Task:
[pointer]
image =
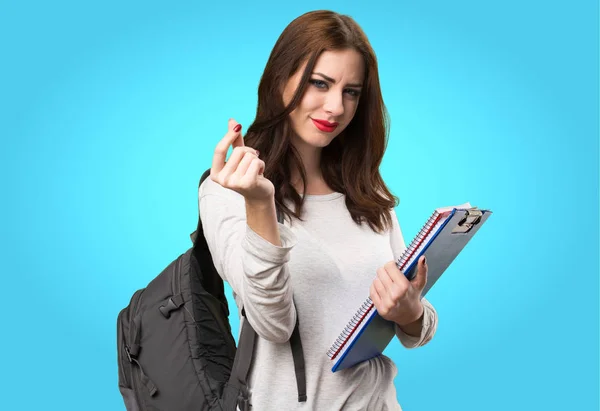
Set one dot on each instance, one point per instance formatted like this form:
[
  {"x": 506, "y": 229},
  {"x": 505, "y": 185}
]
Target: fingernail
[
  {"x": 237, "y": 128},
  {"x": 257, "y": 153}
]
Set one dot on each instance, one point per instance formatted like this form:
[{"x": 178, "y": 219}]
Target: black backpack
[{"x": 175, "y": 348}]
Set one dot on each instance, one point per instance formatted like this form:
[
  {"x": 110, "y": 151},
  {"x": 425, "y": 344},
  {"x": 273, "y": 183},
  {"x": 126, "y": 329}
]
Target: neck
[{"x": 311, "y": 159}]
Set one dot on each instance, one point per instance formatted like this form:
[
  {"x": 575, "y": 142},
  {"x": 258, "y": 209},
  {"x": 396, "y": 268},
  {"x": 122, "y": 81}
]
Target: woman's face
[{"x": 331, "y": 97}]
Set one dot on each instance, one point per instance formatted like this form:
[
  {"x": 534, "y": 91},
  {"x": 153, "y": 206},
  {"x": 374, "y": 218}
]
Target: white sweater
[{"x": 326, "y": 264}]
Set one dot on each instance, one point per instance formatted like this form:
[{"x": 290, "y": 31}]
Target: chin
[
  {"x": 312, "y": 137},
  {"x": 321, "y": 141}
]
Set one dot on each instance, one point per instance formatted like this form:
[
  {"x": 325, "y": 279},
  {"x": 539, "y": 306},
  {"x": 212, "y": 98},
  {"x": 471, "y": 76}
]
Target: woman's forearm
[{"x": 261, "y": 217}]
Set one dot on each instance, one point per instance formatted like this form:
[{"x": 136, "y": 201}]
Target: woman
[{"x": 313, "y": 152}]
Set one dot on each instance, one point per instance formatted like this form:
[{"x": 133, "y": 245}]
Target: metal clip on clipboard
[{"x": 472, "y": 218}]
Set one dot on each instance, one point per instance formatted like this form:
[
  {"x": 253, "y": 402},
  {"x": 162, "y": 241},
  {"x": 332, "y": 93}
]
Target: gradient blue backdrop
[{"x": 110, "y": 111}]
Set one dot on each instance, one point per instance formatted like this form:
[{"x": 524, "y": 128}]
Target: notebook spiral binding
[
  {"x": 366, "y": 307},
  {"x": 418, "y": 241},
  {"x": 350, "y": 327}
]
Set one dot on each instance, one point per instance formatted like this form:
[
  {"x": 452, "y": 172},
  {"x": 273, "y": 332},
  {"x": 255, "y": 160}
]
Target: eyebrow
[{"x": 333, "y": 81}]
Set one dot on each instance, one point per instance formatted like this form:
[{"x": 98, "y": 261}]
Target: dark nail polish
[{"x": 237, "y": 128}]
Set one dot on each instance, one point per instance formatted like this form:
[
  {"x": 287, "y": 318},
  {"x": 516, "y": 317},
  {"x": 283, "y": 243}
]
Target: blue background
[{"x": 109, "y": 114}]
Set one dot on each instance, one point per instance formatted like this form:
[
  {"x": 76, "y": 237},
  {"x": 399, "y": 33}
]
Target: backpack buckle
[
  {"x": 129, "y": 358},
  {"x": 173, "y": 304},
  {"x": 243, "y": 404},
  {"x": 132, "y": 352}
]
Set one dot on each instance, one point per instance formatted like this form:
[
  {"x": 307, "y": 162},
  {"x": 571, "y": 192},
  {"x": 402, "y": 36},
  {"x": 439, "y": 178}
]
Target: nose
[{"x": 334, "y": 104}]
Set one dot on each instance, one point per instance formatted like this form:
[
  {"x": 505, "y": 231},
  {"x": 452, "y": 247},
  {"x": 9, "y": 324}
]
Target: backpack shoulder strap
[
  {"x": 299, "y": 368},
  {"x": 195, "y": 233},
  {"x": 296, "y": 346}
]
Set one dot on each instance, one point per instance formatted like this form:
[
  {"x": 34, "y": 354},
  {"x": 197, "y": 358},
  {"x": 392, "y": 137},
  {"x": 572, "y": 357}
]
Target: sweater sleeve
[
  {"x": 430, "y": 317},
  {"x": 255, "y": 269}
]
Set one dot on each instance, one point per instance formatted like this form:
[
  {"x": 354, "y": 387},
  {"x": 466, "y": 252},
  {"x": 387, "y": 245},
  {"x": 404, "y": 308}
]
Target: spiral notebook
[{"x": 441, "y": 239}]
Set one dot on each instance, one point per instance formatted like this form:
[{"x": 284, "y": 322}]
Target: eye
[
  {"x": 353, "y": 92},
  {"x": 318, "y": 83}
]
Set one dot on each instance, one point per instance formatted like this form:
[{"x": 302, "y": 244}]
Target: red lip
[{"x": 324, "y": 125}]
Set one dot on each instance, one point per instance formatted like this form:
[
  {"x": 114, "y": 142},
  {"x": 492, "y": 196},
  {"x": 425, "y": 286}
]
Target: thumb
[{"x": 421, "y": 278}]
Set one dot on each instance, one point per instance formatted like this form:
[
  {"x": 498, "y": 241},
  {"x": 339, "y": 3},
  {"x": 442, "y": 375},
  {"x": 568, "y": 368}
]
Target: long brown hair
[{"x": 350, "y": 163}]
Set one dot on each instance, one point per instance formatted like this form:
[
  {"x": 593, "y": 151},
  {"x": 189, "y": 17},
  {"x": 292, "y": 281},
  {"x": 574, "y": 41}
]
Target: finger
[
  {"x": 242, "y": 168},
  {"x": 375, "y": 297},
  {"x": 256, "y": 169},
  {"x": 421, "y": 278},
  {"x": 234, "y": 160},
  {"x": 220, "y": 153},
  {"x": 253, "y": 173},
  {"x": 383, "y": 292},
  {"x": 385, "y": 278},
  {"x": 395, "y": 274}
]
